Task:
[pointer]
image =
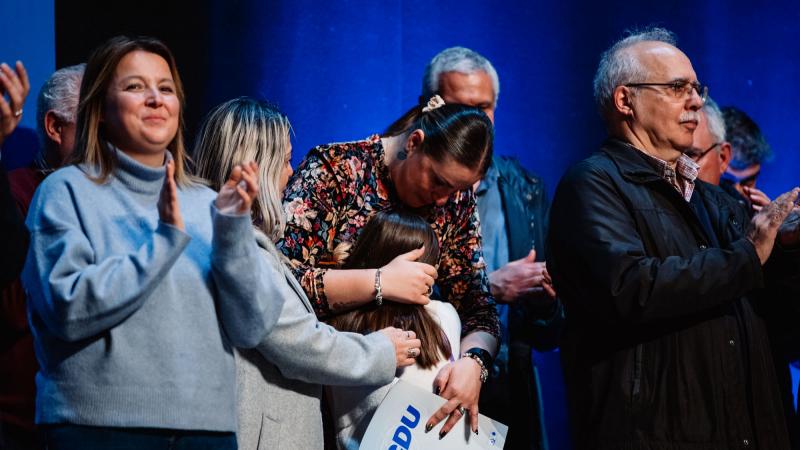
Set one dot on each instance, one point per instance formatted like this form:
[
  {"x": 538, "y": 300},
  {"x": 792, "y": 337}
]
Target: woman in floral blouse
[{"x": 427, "y": 160}]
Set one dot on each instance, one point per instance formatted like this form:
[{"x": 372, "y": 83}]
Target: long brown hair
[
  {"x": 463, "y": 133},
  {"x": 387, "y": 235},
  {"x": 90, "y": 139}
]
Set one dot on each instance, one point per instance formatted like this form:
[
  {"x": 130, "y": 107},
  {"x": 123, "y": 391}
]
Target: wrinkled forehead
[{"x": 663, "y": 62}]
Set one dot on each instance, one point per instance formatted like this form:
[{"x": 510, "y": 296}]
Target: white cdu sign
[{"x": 399, "y": 424}]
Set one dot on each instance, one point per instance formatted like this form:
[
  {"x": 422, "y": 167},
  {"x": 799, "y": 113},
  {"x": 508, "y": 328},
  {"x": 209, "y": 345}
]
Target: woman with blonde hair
[
  {"x": 280, "y": 380},
  {"x": 141, "y": 280}
]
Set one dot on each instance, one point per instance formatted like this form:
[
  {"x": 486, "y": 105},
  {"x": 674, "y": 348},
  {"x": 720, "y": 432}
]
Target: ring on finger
[
  {"x": 412, "y": 353},
  {"x": 18, "y": 112},
  {"x": 430, "y": 291},
  {"x": 462, "y": 410}
]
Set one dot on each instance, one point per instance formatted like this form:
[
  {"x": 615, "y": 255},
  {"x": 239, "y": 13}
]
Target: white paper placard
[{"x": 399, "y": 424}]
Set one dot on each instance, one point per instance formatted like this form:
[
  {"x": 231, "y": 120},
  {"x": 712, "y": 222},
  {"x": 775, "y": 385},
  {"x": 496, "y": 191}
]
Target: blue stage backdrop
[
  {"x": 27, "y": 30},
  {"x": 342, "y": 70}
]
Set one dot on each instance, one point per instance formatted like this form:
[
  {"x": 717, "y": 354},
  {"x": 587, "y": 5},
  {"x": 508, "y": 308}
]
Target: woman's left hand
[
  {"x": 15, "y": 84},
  {"x": 460, "y": 383},
  {"x": 238, "y": 193}
]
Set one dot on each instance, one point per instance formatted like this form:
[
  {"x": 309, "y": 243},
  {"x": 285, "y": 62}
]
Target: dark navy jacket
[{"x": 663, "y": 347}]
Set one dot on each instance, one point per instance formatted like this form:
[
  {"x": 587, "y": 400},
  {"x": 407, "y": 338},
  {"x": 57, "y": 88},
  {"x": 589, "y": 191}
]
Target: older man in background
[
  {"x": 662, "y": 347},
  {"x": 513, "y": 210},
  {"x": 712, "y": 152},
  {"x": 56, "y": 107},
  {"x": 709, "y": 149},
  {"x": 749, "y": 150}
]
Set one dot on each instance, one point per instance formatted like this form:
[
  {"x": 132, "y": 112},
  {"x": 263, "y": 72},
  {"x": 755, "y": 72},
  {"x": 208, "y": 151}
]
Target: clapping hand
[
  {"x": 238, "y": 193},
  {"x": 16, "y": 86},
  {"x": 169, "y": 210},
  {"x": 766, "y": 223},
  {"x": 758, "y": 199}
]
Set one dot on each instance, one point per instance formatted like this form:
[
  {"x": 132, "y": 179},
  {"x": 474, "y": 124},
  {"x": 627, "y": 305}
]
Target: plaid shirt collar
[{"x": 681, "y": 178}]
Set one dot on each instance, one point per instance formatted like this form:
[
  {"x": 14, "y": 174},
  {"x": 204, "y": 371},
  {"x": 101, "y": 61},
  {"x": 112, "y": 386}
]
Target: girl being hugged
[
  {"x": 387, "y": 235},
  {"x": 141, "y": 280},
  {"x": 428, "y": 161}
]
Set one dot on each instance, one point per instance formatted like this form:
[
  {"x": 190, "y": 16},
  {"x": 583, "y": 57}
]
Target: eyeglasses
[
  {"x": 748, "y": 181},
  {"x": 696, "y": 154},
  {"x": 680, "y": 90}
]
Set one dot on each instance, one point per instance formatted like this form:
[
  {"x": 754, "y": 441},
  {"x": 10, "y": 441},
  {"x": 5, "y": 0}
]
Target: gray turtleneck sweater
[{"x": 133, "y": 319}]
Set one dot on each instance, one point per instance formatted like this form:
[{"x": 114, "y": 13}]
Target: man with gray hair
[
  {"x": 513, "y": 209},
  {"x": 662, "y": 347},
  {"x": 712, "y": 152},
  {"x": 56, "y": 109},
  {"x": 709, "y": 149}
]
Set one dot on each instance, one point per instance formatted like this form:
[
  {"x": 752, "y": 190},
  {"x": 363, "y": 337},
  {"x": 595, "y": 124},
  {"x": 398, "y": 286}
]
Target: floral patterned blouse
[{"x": 332, "y": 195}]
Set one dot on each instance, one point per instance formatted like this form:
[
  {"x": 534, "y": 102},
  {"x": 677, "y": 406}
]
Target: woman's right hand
[
  {"x": 405, "y": 280},
  {"x": 169, "y": 210},
  {"x": 406, "y": 345}
]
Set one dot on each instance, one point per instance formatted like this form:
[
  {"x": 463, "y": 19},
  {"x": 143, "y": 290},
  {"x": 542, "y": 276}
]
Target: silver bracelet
[
  {"x": 484, "y": 371},
  {"x": 378, "y": 292}
]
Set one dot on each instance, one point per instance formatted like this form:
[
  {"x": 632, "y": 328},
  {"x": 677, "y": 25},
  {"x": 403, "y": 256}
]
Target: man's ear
[
  {"x": 414, "y": 141},
  {"x": 623, "y": 101},
  {"x": 724, "y": 156},
  {"x": 53, "y": 126}
]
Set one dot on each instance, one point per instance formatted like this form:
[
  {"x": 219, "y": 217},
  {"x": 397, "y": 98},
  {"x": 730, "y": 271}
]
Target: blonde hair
[
  {"x": 90, "y": 143},
  {"x": 241, "y": 130}
]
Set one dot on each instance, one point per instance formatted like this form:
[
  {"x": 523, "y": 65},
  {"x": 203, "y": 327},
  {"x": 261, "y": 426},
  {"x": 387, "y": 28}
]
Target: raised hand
[
  {"x": 765, "y": 224},
  {"x": 406, "y": 345},
  {"x": 169, "y": 210},
  {"x": 240, "y": 191},
  {"x": 758, "y": 199},
  {"x": 522, "y": 279},
  {"x": 405, "y": 280},
  {"x": 16, "y": 86}
]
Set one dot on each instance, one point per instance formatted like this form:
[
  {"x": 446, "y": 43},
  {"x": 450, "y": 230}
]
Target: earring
[{"x": 402, "y": 155}]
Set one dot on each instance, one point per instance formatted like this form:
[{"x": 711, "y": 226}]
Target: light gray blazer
[{"x": 280, "y": 381}]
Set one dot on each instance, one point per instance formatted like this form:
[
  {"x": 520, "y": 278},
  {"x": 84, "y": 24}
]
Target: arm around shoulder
[{"x": 305, "y": 349}]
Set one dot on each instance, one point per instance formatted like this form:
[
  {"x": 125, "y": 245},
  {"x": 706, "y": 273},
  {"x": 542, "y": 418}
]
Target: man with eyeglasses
[
  {"x": 749, "y": 150},
  {"x": 715, "y": 154},
  {"x": 712, "y": 152},
  {"x": 661, "y": 346},
  {"x": 709, "y": 149}
]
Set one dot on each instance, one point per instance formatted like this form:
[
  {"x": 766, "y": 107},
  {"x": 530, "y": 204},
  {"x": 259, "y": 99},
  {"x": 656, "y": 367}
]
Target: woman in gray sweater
[
  {"x": 280, "y": 380},
  {"x": 140, "y": 280}
]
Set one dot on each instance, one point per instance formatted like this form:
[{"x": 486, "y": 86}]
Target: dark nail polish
[
  {"x": 436, "y": 390},
  {"x": 441, "y": 434},
  {"x": 428, "y": 427},
  {"x": 476, "y": 431}
]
